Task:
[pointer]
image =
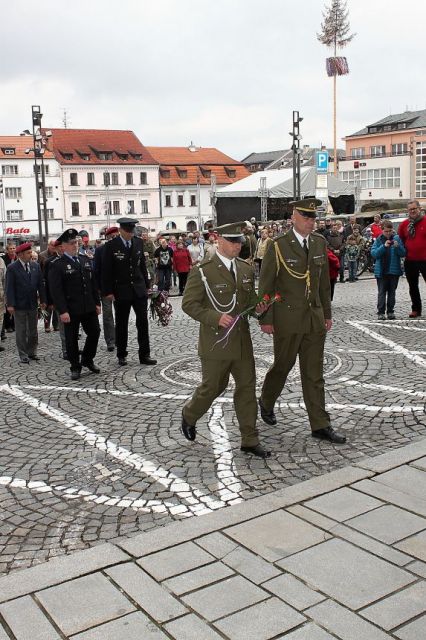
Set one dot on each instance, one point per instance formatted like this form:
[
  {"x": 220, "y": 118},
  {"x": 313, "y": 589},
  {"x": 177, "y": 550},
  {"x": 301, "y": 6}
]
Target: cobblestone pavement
[{"x": 89, "y": 461}]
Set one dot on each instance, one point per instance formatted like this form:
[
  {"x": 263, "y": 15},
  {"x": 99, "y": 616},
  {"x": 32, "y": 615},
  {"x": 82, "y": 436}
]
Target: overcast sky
[{"x": 222, "y": 73}]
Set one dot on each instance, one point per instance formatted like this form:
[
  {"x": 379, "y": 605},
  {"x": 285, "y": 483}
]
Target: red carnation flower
[{"x": 266, "y": 298}]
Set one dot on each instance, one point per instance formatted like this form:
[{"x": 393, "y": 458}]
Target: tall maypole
[{"x": 335, "y": 34}]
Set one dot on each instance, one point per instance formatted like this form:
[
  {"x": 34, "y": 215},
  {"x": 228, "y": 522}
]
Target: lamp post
[
  {"x": 39, "y": 147},
  {"x": 296, "y": 154}
]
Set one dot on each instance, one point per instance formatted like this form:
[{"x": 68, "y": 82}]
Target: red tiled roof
[
  {"x": 70, "y": 146},
  {"x": 19, "y": 143},
  {"x": 197, "y": 164}
]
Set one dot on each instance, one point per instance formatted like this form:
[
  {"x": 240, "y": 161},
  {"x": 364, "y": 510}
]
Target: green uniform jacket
[
  {"x": 297, "y": 313},
  {"x": 197, "y": 304}
]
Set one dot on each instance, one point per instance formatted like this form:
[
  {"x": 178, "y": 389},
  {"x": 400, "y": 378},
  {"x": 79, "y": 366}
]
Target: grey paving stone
[
  {"x": 350, "y": 575},
  {"x": 420, "y": 464},
  {"x": 276, "y": 535},
  {"x": 315, "y": 518},
  {"x": 60, "y": 569},
  {"x": 344, "y": 623},
  {"x": 394, "y": 458},
  {"x": 293, "y": 591},
  {"x": 191, "y": 627},
  {"x": 413, "y": 631},
  {"x": 406, "y": 479},
  {"x": 217, "y": 544},
  {"x": 309, "y": 631},
  {"x": 83, "y": 603},
  {"x": 343, "y": 504},
  {"x": 135, "y": 626},
  {"x": 27, "y": 621},
  {"x": 175, "y": 560},
  {"x": 3, "y": 634},
  {"x": 260, "y": 622},
  {"x": 250, "y": 566},
  {"x": 393, "y": 495},
  {"x": 224, "y": 598},
  {"x": 388, "y": 524},
  {"x": 149, "y": 595},
  {"x": 398, "y": 608},
  {"x": 198, "y": 578},
  {"x": 415, "y": 546},
  {"x": 417, "y": 567}
]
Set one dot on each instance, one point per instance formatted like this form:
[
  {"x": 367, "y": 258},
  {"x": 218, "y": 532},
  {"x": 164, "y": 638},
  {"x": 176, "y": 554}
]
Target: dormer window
[
  {"x": 9, "y": 151},
  {"x": 85, "y": 157},
  {"x": 231, "y": 173},
  {"x": 182, "y": 173},
  {"x": 165, "y": 173},
  {"x": 206, "y": 172},
  {"x": 67, "y": 156},
  {"x": 105, "y": 155}
]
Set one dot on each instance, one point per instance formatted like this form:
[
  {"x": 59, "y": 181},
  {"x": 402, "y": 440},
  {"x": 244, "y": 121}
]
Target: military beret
[
  {"x": 67, "y": 235},
  {"x": 307, "y": 207},
  {"x": 111, "y": 230},
  {"x": 23, "y": 247},
  {"x": 232, "y": 231}
]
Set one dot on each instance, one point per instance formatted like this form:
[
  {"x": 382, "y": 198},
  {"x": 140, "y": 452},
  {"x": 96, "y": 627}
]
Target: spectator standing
[
  {"x": 50, "y": 306},
  {"x": 261, "y": 247},
  {"x": 182, "y": 264},
  {"x": 196, "y": 251},
  {"x": 387, "y": 250},
  {"x": 108, "y": 323},
  {"x": 350, "y": 227},
  {"x": 2, "y": 293},
  {"x": 413, "y": 234},
  {"x": 333, "y": 268},
  {"x": 352, "y": 256},
  {"x": 50, "y": 316},
  {"x": 336, "y": 244},
  {"x": 164, "y": 261},
  {"x": 376, "y": 227},
  {"x": 24, "y": 290},
  {"x": 10, "y": 256},
  {"x": 210, "y": 246}
]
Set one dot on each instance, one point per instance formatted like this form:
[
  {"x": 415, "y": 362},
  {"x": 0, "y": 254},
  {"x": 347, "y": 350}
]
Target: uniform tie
[
  {"x": 305, "y": 246},
  {"x": 27, "y": 269},
  {"x": 128, "y": 244},
  {"x": 231, "y": 270}
]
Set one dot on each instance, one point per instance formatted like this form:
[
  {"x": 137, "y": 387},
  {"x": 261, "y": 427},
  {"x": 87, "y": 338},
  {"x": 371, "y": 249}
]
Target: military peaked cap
[{"x": 307, "y": 207}]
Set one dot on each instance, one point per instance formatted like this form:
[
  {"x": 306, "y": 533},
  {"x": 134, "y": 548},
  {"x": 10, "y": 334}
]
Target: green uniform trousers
[
  {"x": 310, "y": 348},
  {"x": 215, "y": 380}
]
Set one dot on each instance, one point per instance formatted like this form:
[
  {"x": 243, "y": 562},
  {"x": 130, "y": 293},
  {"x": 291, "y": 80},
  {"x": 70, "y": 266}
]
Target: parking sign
[{"x": 322, "y": 161}]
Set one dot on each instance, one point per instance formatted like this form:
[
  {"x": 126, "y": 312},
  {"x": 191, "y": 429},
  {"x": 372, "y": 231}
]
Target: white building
[
  {"x": 186, "y": 183},
  {"x": 106, "y": 174},
  {"x": 19, "y": 214}
]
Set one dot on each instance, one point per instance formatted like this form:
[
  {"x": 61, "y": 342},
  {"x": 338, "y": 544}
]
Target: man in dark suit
[
  {"x": 24, "y": 286},
  {"x": 125, "y": 280},
  {"x": 107, "y": 313},
  {"x": 75, "y": 296},
  {"x": 349, "y": 228}
]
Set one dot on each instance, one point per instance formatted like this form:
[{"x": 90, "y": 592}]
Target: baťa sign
[{"x": 10, "y": 231}]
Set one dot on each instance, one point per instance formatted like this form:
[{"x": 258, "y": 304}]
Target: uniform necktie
[
  {"x": 128, "y": 244},
  {"x": 27, "y": 269},
  {"x": 305, "y": 246},
  {"x": 231, "y": 270}
]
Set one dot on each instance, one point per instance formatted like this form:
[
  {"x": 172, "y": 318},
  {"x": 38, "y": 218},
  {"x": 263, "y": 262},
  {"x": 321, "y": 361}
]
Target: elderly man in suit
[
  {"x": 24, "y": 288},
  {"x": 296, "y": 267},
  {"x": 107, "y": 311}
]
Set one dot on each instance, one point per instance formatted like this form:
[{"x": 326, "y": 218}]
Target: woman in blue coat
[{"x": 387, "y": 251}]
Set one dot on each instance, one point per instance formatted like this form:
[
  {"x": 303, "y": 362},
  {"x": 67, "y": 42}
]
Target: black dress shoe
[
  {"x": 267, "y": 416},
  {"x": 257, "y": 450},
  {"x": 36, "y": 358},
  {"x": 24, "y": 360},
  {"x": 122, "y": 362},
  {"x": 65, "y": 356},
  {"x": 188, "y": 430},
  {"x": 2, "y": 349},
  {"x": 147, "y": 360},
  {"x": 75, "y": 374},
  {"x": 110, "y": 348},
  {"x": 91, "y": 366},
  {"x": 329, "y": 434}
]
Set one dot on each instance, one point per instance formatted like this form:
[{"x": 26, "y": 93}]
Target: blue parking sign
[{"x": 322, "y": 161}]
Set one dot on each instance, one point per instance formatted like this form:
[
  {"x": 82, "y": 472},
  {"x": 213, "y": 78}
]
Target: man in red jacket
[{"x": 413, "y": 234}]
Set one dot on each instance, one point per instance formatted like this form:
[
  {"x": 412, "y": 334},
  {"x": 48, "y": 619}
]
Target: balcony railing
[{"x": 375, "y": 156}]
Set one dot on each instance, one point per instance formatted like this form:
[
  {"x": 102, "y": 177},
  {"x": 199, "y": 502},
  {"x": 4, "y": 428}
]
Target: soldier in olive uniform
[
  {"x": 75, "y": 296},
  {"x": 296, "y": 267},
  {"x": 218, "y": 289}
]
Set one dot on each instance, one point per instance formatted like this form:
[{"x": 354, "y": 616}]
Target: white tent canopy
[{"x": 279, "y": 184}]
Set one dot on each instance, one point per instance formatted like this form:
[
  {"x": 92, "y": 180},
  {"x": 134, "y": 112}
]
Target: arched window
[
  {"x": 191, "y": 226},
  {"x": 171, "y": 225}
]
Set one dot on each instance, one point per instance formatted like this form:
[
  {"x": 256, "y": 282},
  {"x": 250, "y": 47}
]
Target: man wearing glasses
[{"x": 413, "y": 234}]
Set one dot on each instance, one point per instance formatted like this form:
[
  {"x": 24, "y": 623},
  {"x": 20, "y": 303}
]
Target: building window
[
  {"x": 73, "y": 179},
  {"x": 13, "y": 193},
  {"x": 231, "y": 173},
  {"x": 358, "y": 153},
  {"x": 168, "y": 201},
  {"x": 144, "y": 206},
  {"x": 9, "y": 151},
  {"x": 180, "y": 200},
  {"x": 206, "y": 172},
  {"x": 67, "y": 156},
  {"x": 193, "y": 201},
  {"x": 129, "y": 178},
  {"x": 90, "y": 179},
  {"x": 85, "y": 157},
  {"x": 114, "y": 178},
  {"x": 13, "y": 215},
  {"x": 399, "y": 149},
  {"x": 92, "y": 208},
  {"x": 50, "y": 214},
  {"x": 116, "y": 207},
  {"x": 49, "y": 192},
  {"x": 107, "y": 179},
  {"x": 377, "y": 150},
  {"x": 46, "y": 170},
  {"x": 170, "y": 226},
  {"x": 131, "y": 206},
  {"x": 373, "y": 178},
  {"x": 105, "y": 156},
  {"x": 182, "y": 173},
  {"x": 75, "y": 208},
  {"x": 143, "y": 177},
  {"x": 165, "y": 173},
  {"x": 9, "y": 169}
]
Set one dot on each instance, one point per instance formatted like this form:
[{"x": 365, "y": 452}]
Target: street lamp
[
  {"x": 40, "y": 139},
  {"x": 296, "y": 154}
]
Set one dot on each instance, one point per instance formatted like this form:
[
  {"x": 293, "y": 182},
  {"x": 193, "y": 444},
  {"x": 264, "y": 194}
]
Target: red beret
[
  {"x": 23, "y": 247},
  {"x": 111, "y": 230}
]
